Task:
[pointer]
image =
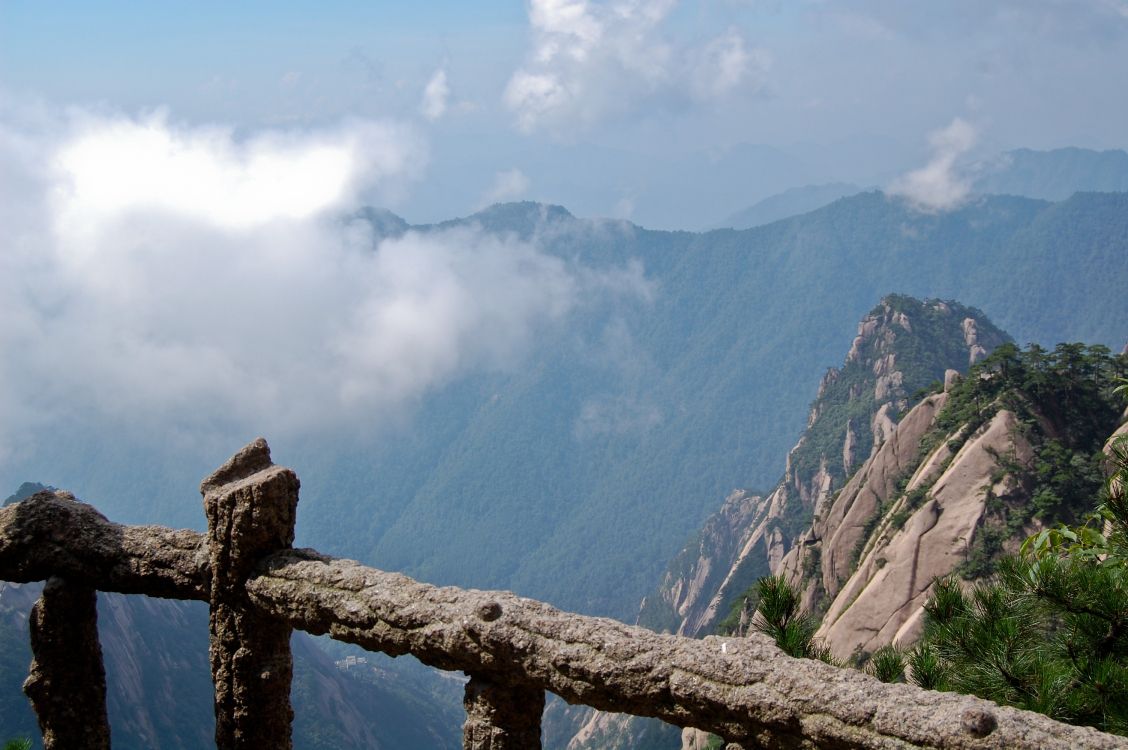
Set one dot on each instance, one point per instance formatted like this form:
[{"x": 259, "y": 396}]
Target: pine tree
[
  {"x": 1050, "y": 632},
  {"x": 779, "y": 616}
]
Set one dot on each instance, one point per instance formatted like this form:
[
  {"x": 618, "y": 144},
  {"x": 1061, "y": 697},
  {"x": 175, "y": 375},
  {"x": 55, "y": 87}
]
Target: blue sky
[{"x": 846, "y": 89}]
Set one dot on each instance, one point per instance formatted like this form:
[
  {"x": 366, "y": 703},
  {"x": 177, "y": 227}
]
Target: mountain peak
[
  {"x": 522, "y": 218},
  {"x": 902, "y": 346},
  {"x": 522, "y": 211}
]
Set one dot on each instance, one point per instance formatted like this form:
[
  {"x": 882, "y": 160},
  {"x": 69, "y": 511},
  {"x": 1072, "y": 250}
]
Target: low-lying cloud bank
[{"x": 188, "y": 276}]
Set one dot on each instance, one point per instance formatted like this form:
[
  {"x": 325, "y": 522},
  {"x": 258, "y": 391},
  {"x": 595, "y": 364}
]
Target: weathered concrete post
[
  {"x": 67, "y": 684},
  {"x": 251, "y": 506},
  {"x": 501, "y": 716}
]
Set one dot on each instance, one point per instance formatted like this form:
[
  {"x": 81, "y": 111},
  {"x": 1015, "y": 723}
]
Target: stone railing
[{"x": 513, "y": 649}]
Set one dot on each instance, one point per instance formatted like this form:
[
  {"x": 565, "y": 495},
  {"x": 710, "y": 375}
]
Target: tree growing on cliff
[
  {"x": 1050, "y": 632},
  {"x": 779, "y": 615}
]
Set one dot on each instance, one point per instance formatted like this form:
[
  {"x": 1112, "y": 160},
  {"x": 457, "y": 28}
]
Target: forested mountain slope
[
  {"x": 1055, "y": 174},
  {"x": 798, "y": 200},
  {"x": 592, "y": 464},
  {"x": 576, "y": 475}
]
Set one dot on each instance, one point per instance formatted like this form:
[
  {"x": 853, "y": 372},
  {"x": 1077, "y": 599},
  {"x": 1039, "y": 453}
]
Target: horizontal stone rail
[
  {"x": 513, "y": 649},
  {"x": 52, "y": 534}
]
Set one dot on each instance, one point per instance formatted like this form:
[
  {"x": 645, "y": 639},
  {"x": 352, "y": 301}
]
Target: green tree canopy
[{"x": 1050, "y": 632}]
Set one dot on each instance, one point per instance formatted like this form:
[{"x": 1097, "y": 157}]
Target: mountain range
[
  {"x": 603, "y": 452},
  {"x": 578, "y": 475},
  {"x": 610, "y": 444},
  {"x": 1050, "y": 175}
]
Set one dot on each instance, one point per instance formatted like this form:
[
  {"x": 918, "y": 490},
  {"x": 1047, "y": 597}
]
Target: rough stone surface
[
  {"x": 67, "y": 684},
  {"x": 894, "y": 576},
  {"x": 694, "y": 739},
  {"x": 501, "y": 715},
  {"x": 251, "y": 506},
  {"x": 51, "y": 533},
  {"x": 743, "y": 689},
  {"x": 842, "y": 525},
  {"x": 951, "y": 377}
]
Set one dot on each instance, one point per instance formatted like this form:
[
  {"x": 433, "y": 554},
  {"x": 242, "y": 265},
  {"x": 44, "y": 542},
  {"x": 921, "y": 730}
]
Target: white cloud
[
  {"x": 940, "y": 185},
  {"x": 508, "y": 185},
  {"x": 111, "y": 167},
  {"x": 535, "y": 96},
  {"x": 616, "y": 415},
  {"x": 184, "y": 278},
  {"x": 594, "y": 60},
  {"x": 725, "y": 62},
  {"x": 624, "y": 207},
  {"x": 436, "y": 95}
]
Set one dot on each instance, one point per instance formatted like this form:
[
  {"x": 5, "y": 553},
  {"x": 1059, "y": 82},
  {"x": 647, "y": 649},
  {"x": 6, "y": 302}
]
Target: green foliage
[
  {"x": 1089, "y": 541},
  {"x": 922, "y": 355},
  {"x": 1070, "y": 387},
  {"x": 747, "y": 602},
  {"x": 928, "y": 669},
  {"x": 18, "y": 744},
  {"x": 983, "y": 554},
  {"x": 1121, "y": 389},
  {"x": 812, "y": 562},
  {"x": 887, "y": 664},
  {"x": 1066, "y": 404},
  {"x": 911, "y": 503},
  {"x": 1050, "y": 632},
  {"x": 779, "y": 616},
  {"x": 1079, "y": 542}
]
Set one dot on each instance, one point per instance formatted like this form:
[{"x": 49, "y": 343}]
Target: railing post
[
  {"x": 67, "y": 684},
  {"x": 501, "y": 716},
  {"x": 251, "y": 506}
]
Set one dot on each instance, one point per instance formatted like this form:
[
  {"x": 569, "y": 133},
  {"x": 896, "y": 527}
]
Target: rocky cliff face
[
  {"x": 705, "y": 566},
  {"x": 960, "y": 479},
  {"x": 908, "y": 515},
  {"x": 902, "y": 346},
  {"x": 966, "y": 476},
  {"x": 925, "y": 531}
]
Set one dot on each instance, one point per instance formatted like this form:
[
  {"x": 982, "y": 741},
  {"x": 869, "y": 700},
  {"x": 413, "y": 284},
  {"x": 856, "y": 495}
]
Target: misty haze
[{"x": 788, "y": 324}]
